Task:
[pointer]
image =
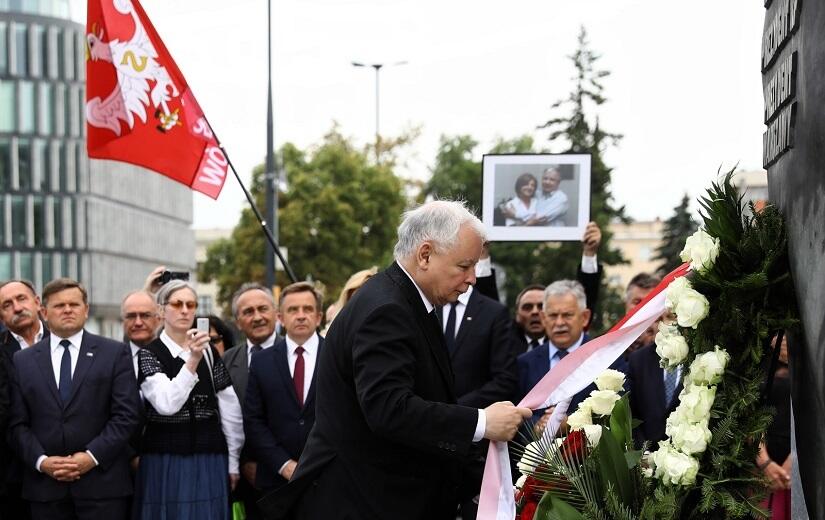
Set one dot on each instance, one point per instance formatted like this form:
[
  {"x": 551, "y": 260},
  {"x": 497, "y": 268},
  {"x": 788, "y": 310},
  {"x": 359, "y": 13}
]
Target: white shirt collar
[
  {"x": 310, "y": 346},
  {"x": 135, "y": 348},
  {"x": 173, "y": 348},
  {"x": 268, "y": 342},
  {"x": 572, "y": 348},
  {"x": 465, "y": 296},
  {"x": 429, "y": 306},
  {"x": 74, "y": 339},
  {"x": 22, "y": 341}
]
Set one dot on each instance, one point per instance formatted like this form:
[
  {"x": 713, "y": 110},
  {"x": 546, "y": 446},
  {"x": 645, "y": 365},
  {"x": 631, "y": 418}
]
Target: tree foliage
[
  {"x": 677, "y": 229},
  {"x": 338, "y": 215}
]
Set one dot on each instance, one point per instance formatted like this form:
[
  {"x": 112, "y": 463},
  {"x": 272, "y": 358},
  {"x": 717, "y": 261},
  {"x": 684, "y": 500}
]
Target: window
[
  {"x": 60, "y": 155},
  {"x": 60, "y": 110},
  {"x": 61, "y": 50},
  {"x": 645, "y": 253},
  {"x": 7, "y": 105},
  {"x": 18, "y": 221},
  {"x": 26, "y": 106},
  {"x": 72, "y": 111},
  {"x": 42, "y": 157},
  {"x": 5, "y": 166},
  {"x": 24, "y": 164},
  {"x": 26, "y": 266},
  {"x": 21, "y": 48},
  {"x": 68, "y": 212},
  {"x": 5, "y": 266},
  {"x": 2, "y": 226},
  {"x": 81, "y": 167},
  {"x": 39, "y": 221},
  {"x": 46, "y": 267},
  {"x": 69, "y": 56},
  {"x": 46, "y": 109},
  {"x": 36, "y": 56},
  {"x": 57, "y": 222},
  {"x": 4, "y": 48}
]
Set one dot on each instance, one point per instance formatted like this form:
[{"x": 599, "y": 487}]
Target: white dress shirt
[
  {"x": 268, "y": 342},
  {"x": 22, "y": 341},
  {"x": 460, "y": 307},
  {"x": 481, "y": 425},
  {"x": 169, "y": 395},
  {"x": 135, "y": 350},
  {"x": 310, "y": 357}
]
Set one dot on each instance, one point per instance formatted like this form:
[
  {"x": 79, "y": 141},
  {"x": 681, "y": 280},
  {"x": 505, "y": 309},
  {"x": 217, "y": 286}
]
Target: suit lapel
[
  {"x": 310, "y": 397},
  {"x": 85, "y": 360},
  {"x": 44, "y": 361},
  {"x": 472, "y": 311}
]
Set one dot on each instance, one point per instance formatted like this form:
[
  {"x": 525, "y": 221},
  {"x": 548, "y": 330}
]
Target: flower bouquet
[{"x": 737, "y": 295}]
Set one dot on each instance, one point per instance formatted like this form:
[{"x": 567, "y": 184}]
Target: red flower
[
  {"x": 528, "y": 511},
  {"x": 574, "y": 447}
]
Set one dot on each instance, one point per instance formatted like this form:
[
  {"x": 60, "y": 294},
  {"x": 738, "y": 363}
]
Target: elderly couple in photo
[{"x": 533, "y": 208}]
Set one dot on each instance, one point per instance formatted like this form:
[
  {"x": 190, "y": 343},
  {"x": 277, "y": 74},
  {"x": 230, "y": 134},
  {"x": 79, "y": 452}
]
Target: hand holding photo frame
[{"x": 535, "y": 197}]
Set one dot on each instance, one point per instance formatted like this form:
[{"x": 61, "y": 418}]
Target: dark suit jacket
[
  {"x": 101, "y": 415},
  {"x": 237, "y": 363},
  {"x": 483, "y": 361},
  {"x": 387, "y": 440},
  {"x": 591, "y": 283},
  {"x": 645, "y": 380},
  {"x": 275, "y": 426}
]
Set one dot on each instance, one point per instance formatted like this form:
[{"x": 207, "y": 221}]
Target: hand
[
  {"x": 233, "y": 481},
  {"x": 591, "y": 240},
  {"x": 63, "y": 469},
  {"x": 289, "y": 469},
  {"x": 84, "y": 462},
  {"x": 539, "y": 427},
  {"x": 249, "y": 470},
  {"x": 507, "y": 211},
  {"x": 777, "y": 477},
  {"x": 503, "y": 420},
  {"x": 151, "y": 285}
]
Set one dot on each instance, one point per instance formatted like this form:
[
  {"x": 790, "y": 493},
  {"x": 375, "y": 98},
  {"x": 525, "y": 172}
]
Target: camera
[{"x": 167, "y": 276}]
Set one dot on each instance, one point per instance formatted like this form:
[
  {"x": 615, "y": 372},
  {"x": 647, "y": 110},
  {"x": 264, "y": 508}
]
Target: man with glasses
[{"x": 140, "y": 321}]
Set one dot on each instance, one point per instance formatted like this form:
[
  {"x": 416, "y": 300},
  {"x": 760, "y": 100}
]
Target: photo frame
[{"x": 535, "y": 197}]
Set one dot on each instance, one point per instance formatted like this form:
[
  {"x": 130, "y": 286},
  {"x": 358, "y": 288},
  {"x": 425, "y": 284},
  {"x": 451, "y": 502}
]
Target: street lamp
[{"x": 377, "y": 67}]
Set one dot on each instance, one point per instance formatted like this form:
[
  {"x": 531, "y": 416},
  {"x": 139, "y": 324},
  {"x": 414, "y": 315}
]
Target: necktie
[
  {"x": 671, "y": 380},
  {"x": 560, "y": 354},
  {"x": 255, "y": 349},
  {"x": 298, "y": 375},
  {"x": 449, "y": 329},
  {"x": 64, "y": 387},
  {"x": 533, "y": 344}
]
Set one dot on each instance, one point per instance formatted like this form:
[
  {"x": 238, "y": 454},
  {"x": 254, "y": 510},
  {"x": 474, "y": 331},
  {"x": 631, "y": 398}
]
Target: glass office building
[{"x": 107, "y": 224}]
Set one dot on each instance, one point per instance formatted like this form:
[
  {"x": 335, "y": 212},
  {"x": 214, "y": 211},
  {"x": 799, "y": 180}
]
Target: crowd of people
[{"x": 179, "y": 422}]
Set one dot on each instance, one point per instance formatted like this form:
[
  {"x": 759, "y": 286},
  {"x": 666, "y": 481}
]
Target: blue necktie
[
  {"x": 449, "y": 330},
  {"x": 671, "y": 380},
  {"x": 65, "y": 386}
]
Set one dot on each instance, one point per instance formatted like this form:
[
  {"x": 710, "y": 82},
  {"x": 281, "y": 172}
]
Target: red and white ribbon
[{"x": 569, "y": 376}]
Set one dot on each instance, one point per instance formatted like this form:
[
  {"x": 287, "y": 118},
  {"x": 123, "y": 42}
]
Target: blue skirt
[{"x": 182, "y": 487}]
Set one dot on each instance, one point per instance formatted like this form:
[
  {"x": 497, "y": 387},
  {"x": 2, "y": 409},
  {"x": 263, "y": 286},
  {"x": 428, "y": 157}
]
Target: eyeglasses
[
  {"x": 179, "y": 304},
  {"x": 144, "y": 316},
  {"x": 216, "y": 339}
]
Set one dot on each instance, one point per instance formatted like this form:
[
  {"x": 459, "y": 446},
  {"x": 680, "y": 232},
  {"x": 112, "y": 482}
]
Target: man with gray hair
[
  {"x": 385, "y": 413},
  {"x": 564, "y": 316}
]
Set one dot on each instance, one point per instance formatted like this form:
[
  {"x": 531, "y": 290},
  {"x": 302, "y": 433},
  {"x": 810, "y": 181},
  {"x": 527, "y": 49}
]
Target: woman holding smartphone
[{"x": 193, "y": 424}]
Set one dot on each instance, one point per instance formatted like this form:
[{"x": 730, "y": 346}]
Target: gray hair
[
  {"x": 565, "y": 287},
  {"x": 133, "y": 293},
  {"x": 245, "y": 288},
  {"x": 439, "y": 222},
  {"x": 166, "y": 291}
]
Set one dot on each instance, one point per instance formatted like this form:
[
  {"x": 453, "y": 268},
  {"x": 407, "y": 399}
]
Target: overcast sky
[{"x": 685, "y": 88}]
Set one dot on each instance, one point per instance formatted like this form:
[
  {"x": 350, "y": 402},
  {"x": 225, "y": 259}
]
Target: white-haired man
[{"x": 388, "y": 442}]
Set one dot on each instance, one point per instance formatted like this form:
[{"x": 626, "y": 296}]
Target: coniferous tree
[{"x": 677, "y": 229}]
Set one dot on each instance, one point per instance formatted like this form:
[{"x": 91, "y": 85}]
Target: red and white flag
[
  {"x": 139, "y": 108},
  {"x": 569, "y": 376}
]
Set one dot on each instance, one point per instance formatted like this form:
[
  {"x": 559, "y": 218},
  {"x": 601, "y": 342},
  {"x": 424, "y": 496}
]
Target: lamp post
[
  {"x": 377, "y": 67},
  {"x": 271, "y": 173}
]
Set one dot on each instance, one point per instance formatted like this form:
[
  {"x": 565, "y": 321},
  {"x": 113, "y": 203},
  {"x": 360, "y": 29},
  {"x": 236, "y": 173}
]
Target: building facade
[{"x": 107, "y": 224}]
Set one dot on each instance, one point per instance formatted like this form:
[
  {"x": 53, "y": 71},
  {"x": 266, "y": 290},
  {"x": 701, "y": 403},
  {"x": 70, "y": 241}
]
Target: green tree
[
  {"x": 677, "y": 229},
  {"x": 338, "y": 215}
]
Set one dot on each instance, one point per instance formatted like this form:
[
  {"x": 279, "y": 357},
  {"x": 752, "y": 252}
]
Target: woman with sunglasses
[{"x": 194, "y": 428}]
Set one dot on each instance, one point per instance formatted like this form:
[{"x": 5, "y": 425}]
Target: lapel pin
[
  {"x": 90, "y": 354},
  {"x": 469, "y": 318}
]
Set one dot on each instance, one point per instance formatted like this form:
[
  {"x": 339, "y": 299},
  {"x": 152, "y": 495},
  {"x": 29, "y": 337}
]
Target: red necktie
[{"x": 298, "y": 375}]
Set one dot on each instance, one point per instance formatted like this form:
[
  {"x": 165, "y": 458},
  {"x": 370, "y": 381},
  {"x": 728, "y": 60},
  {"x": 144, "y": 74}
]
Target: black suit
[
  {"x": 100, "y": 416},
  {"x": 275, "y": 425},
  {"x": 387, "y": 441},
  {"x": 645, "y": 380}
]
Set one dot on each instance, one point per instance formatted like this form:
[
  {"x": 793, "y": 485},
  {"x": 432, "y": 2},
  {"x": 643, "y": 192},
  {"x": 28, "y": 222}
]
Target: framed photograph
[{"x": 535, "y": 197}]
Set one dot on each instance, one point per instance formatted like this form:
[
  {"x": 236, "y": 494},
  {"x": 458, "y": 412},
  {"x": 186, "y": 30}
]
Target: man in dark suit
[
  {"x": 20, "y": 310},
  {"x": 389, "y": 440},
  {"x": 279, "y": 410},
  {"x": 255, "y": 315},
  {"x": 476, "y": 331},
  {"x": 75, "y": 405}
]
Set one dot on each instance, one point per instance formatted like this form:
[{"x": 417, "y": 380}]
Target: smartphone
[{"x": 203, "y": 325}]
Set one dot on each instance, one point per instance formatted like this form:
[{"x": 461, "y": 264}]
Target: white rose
[
  {"x": 610, "y": 380},
  {"x": 601, "y": 401},
  {"x": 707, "y": 368},
  {"x": 579, "y": 419},
  {"x": 670, "y": 345},
  {"x": 593, "y": 432},
  {"x": 674, "y": 467},
  {"x": 648, "y": 472},
  {"x": 690, "y": 439},
  {"x": 700, "y": 250},
  {"x": 695, "y": 403},
  {"x": 520, "y": 482},
  {"x": 674, "y": 291},
  {"x": 530, "y": 459},
  {"x": 691, "y": 308}
]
